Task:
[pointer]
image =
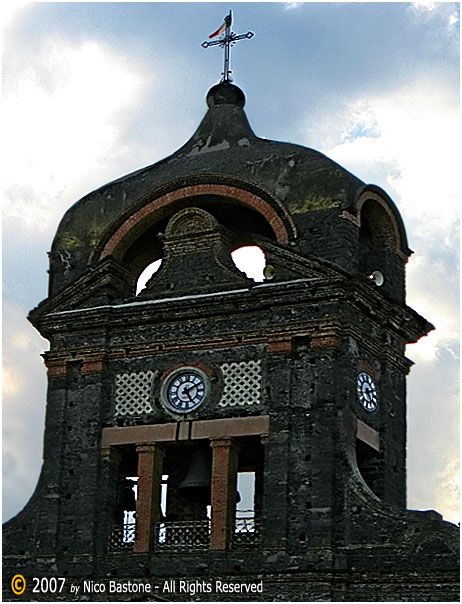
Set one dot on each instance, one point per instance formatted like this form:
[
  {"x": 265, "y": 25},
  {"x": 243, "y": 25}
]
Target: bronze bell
[
  {"x": 196, "y": 486},
  {"x": 126, "y": 496}
]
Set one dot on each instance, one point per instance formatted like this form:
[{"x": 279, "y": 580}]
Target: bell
[
  {"x": 196, "y": 486},
  {"x": 126, "y": 495}
]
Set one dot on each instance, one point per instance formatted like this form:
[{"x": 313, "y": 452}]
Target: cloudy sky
[{"x": 93, "y": 91}]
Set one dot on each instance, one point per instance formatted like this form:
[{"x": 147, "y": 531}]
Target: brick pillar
[
  {"x": 150, "y": 462},
  {"x": 224, "y": 478}
]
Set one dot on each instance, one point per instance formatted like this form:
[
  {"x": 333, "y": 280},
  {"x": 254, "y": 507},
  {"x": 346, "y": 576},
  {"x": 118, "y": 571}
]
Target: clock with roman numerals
[
  {"x": 185, "y": 390},
  {"x": 366, "y": 391}
]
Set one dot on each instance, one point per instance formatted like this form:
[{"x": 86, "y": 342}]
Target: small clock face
[
  {"x": 185, "y": 389},
  {"x": 367, "y": 392}
]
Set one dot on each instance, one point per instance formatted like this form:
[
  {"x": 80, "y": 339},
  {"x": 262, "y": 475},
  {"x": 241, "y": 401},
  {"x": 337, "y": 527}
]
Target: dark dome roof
[
  {"x": 302, "y": 180},
  {"x": 223, "y": 145}
]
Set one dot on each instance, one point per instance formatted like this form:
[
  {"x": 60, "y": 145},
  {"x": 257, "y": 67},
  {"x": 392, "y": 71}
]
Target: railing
[
  {"x": 183, "y": 535},
  {"x": 122, "y": 538},
  {"x": 247, "y": 532},
  {"x": 187, "y": 535}
]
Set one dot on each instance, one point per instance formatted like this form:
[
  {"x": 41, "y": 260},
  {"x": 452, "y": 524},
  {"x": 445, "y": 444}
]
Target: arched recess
[
  {"x": 377, "y": 212},
  {"x": 376, "y": 232},
  {"x": 382, "y": 242},
  {"x": 135, "y": 238}
]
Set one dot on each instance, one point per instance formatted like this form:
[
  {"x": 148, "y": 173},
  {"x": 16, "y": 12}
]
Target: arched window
[
  {"x": 146, "y": 274},
  {"x": 251, "y": 260}
]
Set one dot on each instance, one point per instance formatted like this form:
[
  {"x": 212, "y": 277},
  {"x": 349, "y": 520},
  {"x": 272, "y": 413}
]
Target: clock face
[
  {"x": 185, "y": 389},
  {"x": 367, "y": 392}
]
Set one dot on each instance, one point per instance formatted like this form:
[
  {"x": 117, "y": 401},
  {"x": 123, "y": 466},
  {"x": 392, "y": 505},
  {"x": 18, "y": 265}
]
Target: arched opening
[
  {"x": 251, "y": 260},
  {"x": 376, "y": 228},
  {"x": 370, "y": 466},
  {"x": 243, "y": 225},
  {"x": 379, "y": 248},
  {"x": 146, "y": 274}
]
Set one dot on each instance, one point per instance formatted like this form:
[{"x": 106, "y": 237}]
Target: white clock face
[
  {"x": 185, "y": 389},
  {"x": 366, "y": 391}
]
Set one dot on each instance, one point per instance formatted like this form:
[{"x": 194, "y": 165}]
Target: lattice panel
[
  {"x": 122, "y": 538},
  {"x": 183, "y": 534},
  {"x": 133, "y": 393},
  {"x": 246, "y": 534},
  {"x": 242, "y": 383}
]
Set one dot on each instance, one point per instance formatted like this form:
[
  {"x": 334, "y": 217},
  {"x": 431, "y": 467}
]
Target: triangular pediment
[{"x": 101, "y": 284}]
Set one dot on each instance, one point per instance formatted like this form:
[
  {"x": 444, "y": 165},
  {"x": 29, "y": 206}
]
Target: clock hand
[{"x": 187, "y": 391}]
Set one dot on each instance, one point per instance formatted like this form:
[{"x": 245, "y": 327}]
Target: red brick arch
[
  {"x": 247, "y": 198},
  {"x": 399, "y": 236}
]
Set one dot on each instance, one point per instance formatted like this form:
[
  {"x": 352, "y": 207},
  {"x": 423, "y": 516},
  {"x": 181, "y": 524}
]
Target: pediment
[
  {"x": 283, "y": 264},
  {"x": 100, "y": 285}
]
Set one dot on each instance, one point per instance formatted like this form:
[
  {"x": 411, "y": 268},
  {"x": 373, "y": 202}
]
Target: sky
[{"x": 93, "y": 91}]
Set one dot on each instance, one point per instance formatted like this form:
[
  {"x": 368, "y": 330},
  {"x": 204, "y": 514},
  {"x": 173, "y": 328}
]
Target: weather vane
[{"x": 229, "y": 39}]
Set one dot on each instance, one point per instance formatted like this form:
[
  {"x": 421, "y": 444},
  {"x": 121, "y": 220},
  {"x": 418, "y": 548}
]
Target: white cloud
[
  {"x": 24, "y": 391},
  {"x": 424, "y": 4},
  {"x": 413, "y": 132},
  {"x": 444, "y": 18},
  {"x": 447, "y": 492},
  {"x": 407, "y": 142},
  {"x": 433, "y": 435},
  {"x": 64, "y": 114},
  {"x": 292, "y": 5},
  {"x": 10, "y": 9}
]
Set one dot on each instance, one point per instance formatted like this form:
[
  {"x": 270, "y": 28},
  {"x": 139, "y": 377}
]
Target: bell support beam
[
  {"x": 186, "y": 431},
  {"x": 224, "y": 477},
  {"x": 150, "y": 462}
]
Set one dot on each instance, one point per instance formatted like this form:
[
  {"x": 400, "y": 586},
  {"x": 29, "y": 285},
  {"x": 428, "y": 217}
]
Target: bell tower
[{"x": 214, "y": 428}]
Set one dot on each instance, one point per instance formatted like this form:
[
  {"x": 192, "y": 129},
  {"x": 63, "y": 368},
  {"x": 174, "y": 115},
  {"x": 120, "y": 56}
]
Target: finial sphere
[{"x": 225, "y": 93}]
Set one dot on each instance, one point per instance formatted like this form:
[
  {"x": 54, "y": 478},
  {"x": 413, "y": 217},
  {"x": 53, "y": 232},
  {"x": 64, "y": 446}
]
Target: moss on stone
[
  {"x": 316, "y": 204},
  {"x": 70, "y": 241}
]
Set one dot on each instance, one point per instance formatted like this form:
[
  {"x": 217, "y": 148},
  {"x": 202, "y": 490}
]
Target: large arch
[{"x": 122, "y": 233}]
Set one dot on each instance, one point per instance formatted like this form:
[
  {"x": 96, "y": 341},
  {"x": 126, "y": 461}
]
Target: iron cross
[{"x": 229, "y": 39}]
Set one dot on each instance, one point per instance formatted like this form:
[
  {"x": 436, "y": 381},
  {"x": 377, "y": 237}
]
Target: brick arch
[
  {"x": 397, "y": 240},
  {"x": 120, "y": 238}
]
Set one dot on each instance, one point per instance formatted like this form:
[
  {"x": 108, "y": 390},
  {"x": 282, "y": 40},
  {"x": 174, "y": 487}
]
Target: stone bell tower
[{"x": 217, "y": 428}]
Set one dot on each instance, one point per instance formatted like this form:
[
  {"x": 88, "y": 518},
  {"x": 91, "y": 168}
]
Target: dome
[{"x": 300, "y": 184}]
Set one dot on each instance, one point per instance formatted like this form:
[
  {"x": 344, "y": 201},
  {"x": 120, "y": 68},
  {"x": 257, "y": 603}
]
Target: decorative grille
[
  {"x": 246, "y": 533},
  {"x": 186, "y": 535},
  {"x": 183, "y": 535},
  {"x": 122, "y": 538},
  {"x": 133, "y": 393},
  {"x": 242, "y": 383}
]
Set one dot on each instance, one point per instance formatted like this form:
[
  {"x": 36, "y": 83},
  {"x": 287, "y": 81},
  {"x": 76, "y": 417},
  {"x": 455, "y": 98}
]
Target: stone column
[
  {"x": 224, "y": 478},
  {"x": 260, "y": 481},
  {"x": 150, "y": 462}
]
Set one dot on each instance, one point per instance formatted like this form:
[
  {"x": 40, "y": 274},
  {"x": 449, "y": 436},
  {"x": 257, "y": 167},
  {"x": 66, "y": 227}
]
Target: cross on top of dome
[{"x": 229, "y": 39}]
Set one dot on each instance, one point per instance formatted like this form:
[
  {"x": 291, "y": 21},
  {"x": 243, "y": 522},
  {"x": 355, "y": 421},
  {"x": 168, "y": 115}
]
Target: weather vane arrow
[{"x": 229, "y": 39}]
